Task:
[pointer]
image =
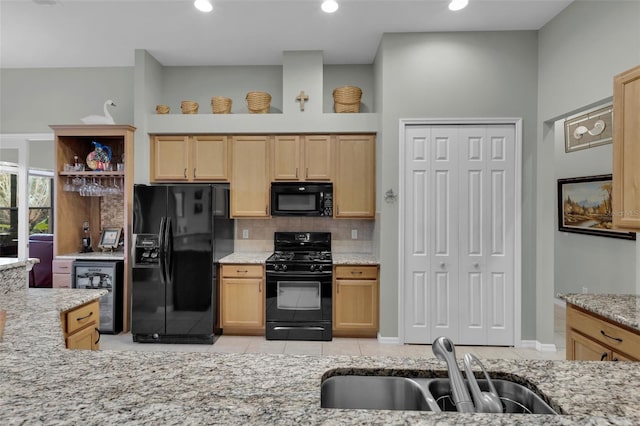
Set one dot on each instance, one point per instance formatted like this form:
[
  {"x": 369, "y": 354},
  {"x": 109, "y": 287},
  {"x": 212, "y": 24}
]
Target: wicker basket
[
  {"x": 258, "y": 102},
  {"x": 347, "y": 99},
  {"x": 220, "y": 105},
  {"x": 189, "y": 107},
  {"x": 163, "y": 109}
]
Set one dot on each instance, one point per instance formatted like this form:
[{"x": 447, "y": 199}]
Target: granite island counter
[{"x": 43, "y": 383}]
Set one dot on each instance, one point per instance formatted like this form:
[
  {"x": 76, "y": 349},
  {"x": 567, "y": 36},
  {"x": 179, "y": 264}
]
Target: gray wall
[
  {"x": 579, "y": 53},
  {"x": 32, "y": 99},
  {"x": 472, "y": 74}
]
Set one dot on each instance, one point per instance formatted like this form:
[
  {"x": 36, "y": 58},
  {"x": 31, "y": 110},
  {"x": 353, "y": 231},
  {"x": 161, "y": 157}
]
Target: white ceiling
[{"x": 98, "y": 33}]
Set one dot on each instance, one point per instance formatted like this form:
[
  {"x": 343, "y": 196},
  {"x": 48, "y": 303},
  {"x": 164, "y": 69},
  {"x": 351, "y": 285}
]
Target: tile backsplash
[
  {"x": 259, "y": 232},
  {"x": 112, "y": 211}
]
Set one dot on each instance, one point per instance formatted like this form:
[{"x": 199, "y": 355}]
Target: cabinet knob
[
  {"x": 194, "y": 172},
  {"x": 185, "y": 172},
  {"x": 603, "y": 357}
]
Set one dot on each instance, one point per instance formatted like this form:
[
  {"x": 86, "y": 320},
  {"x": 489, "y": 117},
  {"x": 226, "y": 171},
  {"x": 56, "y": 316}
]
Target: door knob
[
  {"x": 476, "y": 265},
  {"x": 442, "y": 265}
]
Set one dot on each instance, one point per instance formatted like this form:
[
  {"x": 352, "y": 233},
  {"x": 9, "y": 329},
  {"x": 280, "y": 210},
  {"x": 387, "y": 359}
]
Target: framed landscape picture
[{"x": 584, "y": 207}]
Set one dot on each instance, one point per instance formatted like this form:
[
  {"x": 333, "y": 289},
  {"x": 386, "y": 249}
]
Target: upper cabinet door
[
  {"x": 209, "y": 158},
  {"x": 287, "y": 158},
  {"x": 250, "y": 183},
  {"x": 354, "y": 191},
  {"x": 626, "y": 149},
  {"x": 170, "y": 158},
  {"x": 299, "y": 158},
  {"x": 318, "y": 157}
]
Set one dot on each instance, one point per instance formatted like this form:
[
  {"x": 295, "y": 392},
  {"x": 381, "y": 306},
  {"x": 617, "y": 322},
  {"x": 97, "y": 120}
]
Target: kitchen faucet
[
  {"x": 485, "y": 402},
  {"x": 443, "y": 349}
]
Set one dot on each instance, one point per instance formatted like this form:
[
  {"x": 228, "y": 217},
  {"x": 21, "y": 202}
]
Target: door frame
[
  {"x": 404, "y": 123},
  {"x": 21, "y": 143}
]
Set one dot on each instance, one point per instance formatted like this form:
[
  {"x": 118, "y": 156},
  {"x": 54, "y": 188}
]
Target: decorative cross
[{"x": 302, "y": 97}]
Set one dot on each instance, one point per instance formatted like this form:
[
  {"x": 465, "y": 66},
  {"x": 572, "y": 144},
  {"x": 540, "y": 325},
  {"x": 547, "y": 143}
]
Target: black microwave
[{"x": 302, "y": 199}]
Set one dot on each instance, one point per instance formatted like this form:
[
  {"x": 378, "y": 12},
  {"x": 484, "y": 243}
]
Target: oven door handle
[{"x": 293, "y": 276}]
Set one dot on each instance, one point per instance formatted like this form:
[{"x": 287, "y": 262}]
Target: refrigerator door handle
[
  {"x": 168, "y": 250},
  {"x": 161, "y": 254}
]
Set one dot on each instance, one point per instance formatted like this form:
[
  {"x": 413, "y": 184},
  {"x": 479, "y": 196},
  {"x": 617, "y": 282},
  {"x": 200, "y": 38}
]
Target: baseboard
[
  {"x": 388, "y": 340},
  {"x": 540, "y": 347}
]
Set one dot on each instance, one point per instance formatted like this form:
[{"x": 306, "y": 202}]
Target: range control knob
[{"x": 312, "y": 268}]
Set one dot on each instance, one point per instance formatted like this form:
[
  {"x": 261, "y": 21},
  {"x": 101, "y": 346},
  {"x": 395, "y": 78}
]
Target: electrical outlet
[
  {"x": 354, "y": 234},
  {"x": 245, "y": 234},
  {"x": 585, "y": 290}
]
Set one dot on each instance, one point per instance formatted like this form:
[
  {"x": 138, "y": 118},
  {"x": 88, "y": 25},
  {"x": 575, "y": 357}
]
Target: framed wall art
[
  {"x": 589, "y": 130},
  {"x": 584, "y": 207}
]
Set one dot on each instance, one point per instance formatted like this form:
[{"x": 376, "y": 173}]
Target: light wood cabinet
[
  {"x": 592, "y": 338},
  {"x": 80, "y": 326},
  {"x": 180, "y": 158},
  {"x": 355, "y": 301},
  {"x": 250, "y": 172},
  {"x": 299, "y": 158},
  {"x": 71, "y": 209},
  {"x": 626, "y": 149},
  {"x": 242, "y": 299},
  {"x": 354, "y": 189}
]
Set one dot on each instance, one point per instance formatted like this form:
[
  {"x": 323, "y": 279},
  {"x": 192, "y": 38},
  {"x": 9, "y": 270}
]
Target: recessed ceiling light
[
  {"x": 203, "y": 5},
  {"x": 329, "y": 6},
  {"x": 458, "y": 4}
]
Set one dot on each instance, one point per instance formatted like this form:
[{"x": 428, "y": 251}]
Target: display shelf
[
  {"x": 92, "y": 173},
  {"x": 263, "y": 123}
]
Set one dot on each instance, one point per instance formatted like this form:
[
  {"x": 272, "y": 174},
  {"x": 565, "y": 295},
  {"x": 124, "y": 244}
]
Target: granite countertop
[
  {"x": 247, "y": 257},
  {"x": 354, "y": 259},
  {"x": 43, "y": 383},
  {"x": 94, "y": 255},
  {"x": 621, "y": 308}
]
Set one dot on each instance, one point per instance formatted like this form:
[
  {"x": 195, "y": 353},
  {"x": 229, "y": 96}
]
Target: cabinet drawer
[
  {"x": 62, "y": 266},
  {"x": 80, "y": 317},
  {"x": 241, "y": 271},
  {"x": 357, "y": 272},
  {"x": 604, "y": 332},
  {"x": 61, "y": 281}
]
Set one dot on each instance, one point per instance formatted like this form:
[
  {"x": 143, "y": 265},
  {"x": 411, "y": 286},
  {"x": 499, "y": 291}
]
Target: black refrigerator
[{"x": 180, "y": 232}]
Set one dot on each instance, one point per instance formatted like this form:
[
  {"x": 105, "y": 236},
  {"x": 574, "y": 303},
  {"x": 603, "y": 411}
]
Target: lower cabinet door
[
  {"x": 581, "y": 348},
  {"x": 355, "y": 308},
  {"x": 87, "y": 338},
  {"x": 242, "y": 305}
]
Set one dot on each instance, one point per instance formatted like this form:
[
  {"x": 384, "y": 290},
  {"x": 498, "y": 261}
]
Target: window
[{"x": 40, "y": 206}]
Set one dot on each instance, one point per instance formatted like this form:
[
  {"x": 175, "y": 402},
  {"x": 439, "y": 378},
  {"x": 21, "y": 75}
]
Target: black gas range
[{"x": 299, "y": 287}]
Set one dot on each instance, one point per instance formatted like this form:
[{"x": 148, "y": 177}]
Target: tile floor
[{"x": 341, "y": 346}]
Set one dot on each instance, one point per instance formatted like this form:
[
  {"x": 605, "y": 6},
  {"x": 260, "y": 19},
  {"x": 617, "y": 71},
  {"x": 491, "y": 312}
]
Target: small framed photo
[{"x": 110, "y": 238}]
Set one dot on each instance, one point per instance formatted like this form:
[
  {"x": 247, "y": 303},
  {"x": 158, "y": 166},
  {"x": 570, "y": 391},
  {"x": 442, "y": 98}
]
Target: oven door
[{"x": 298, "y": 306}]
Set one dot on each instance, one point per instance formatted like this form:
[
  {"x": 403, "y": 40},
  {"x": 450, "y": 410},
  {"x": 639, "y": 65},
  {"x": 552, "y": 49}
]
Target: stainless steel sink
[
  {"x": 376, "y": 393},
  {"x": 428, "y": 394}
]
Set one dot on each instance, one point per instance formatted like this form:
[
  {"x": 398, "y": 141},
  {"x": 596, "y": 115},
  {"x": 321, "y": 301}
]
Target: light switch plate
[
  {"x": 354, "y": 234},
  {"x": 245, "y": 234}
]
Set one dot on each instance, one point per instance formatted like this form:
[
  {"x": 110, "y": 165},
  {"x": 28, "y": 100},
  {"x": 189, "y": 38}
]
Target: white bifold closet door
[{"x": 459, "y": 233}]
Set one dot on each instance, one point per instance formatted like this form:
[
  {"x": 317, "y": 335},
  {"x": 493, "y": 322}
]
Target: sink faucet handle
[{"x": 485, "y": 402}]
